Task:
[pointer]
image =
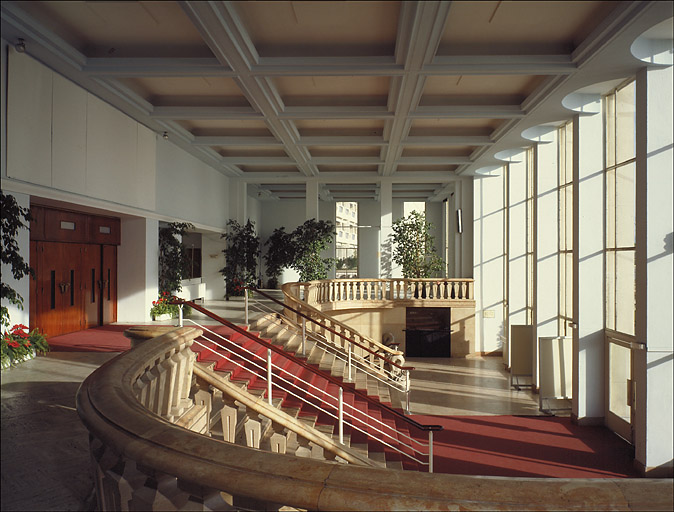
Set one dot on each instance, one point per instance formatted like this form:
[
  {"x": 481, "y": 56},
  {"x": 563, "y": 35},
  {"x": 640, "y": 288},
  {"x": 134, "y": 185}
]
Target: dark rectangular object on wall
[
  {"x": 428, "y": 332},
  {"x": 104, "y": 230}
]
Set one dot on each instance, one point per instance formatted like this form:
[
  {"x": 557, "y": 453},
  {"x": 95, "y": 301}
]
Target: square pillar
[
  {"x": 312, "y": 211},
  {"x": 386, "y": 215},
  {"x": 588, "y": 267},
  {"x": 138, "y": 269},
  {"x": 652, "y": 367}
]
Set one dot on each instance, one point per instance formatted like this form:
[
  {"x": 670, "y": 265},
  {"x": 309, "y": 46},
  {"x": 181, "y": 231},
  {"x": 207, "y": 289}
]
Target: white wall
[
  {"x": 21, "y": 286},
  {"x": 369, "y": 214},
  {"x": 489, "y": 240},
  {"x": 212, "y": 260},
  {"x": 177, "y": 196}
]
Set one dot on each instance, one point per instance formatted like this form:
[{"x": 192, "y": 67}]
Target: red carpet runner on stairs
[{"x": 512, "y": 446}]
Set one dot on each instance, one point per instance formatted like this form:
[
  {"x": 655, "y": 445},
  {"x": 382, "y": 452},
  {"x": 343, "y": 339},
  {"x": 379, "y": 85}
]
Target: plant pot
[{"x": 163, "y": 317}]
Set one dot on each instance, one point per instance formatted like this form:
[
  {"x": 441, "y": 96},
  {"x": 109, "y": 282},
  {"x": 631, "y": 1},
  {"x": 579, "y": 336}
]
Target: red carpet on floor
[
  {"x": 107, "y": 338},
  {"x": 528, "y": 446},
  {"x": 511, "y": 446}
]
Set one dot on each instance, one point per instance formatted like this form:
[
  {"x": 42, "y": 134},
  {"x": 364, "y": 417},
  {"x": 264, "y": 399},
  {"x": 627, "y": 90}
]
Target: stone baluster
[
  {"x": 279, "y": 439},
  {"x": 464, "y": 289},
  {"x": 471, "y": 291},
  {"x": 252, "y": 427},
  {"x": 228, "y": 416}
]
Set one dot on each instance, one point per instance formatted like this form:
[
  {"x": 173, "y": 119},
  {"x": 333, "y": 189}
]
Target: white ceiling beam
[
  {"x": 420, "y": 28},
  {"x": 224, "y": 113},
  {"x": 468, "y": 111},
  {"x": 131, "y": 67},
  {"x": 500, "y": 65},
  {"x": 433, "y": 160},
  {"x": 235, "y": 141},
  {"x": 224, "y": 33},
  {"x": 341, "y": 112},
  {"x": 458, "y": 140},
  {"x": 347, "y": 140},
  {"x": 327, "y": 66},
  {"x": 352, "y": 177},
  {"x": 257, "y": 160},
  {"x": 346, "y": 160}
]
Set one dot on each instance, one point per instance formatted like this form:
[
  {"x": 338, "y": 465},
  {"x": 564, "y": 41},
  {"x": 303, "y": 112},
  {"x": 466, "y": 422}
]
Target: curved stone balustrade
[{"x": 144, "y": 462}]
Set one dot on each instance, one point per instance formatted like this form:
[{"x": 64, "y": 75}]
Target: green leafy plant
[
  {"x": 414, "y": 247},
  {"x": 13, "y": 217},
  {"x": 19, "y": 344},
  {"x": 172, "y": 256},
  {"x": 300, "y": 250},
  {"x": 279, "y": 255},
  {"x": 241, "y": 257}
]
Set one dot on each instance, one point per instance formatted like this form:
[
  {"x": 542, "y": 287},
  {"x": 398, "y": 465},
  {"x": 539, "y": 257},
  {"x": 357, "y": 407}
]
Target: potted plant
[
  {"x": 414, "y": 247},
  {"x": 163, "y": 309},
  {"x": 172, "y": 256},
  {"x": 301, "y": 251},
  {"x": 19, "y": 345},
  {"x": 241, "y": 257},
  {"x": 13, "y": 217}
]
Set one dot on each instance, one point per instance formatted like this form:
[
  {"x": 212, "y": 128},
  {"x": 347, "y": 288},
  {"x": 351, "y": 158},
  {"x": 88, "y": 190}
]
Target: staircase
[{"x": 306, "y": 387}]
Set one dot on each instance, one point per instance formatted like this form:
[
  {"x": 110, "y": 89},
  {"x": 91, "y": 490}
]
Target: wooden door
[
  {"x": 59, "y": 287},
  {"x": 109, "y": 284},
  {"x": 91, "y": 294}
]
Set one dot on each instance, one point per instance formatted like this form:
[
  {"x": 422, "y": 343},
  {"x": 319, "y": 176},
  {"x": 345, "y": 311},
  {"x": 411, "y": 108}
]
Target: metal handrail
[
  {"x": 427, "y": 428},
  {"x": 376, "y": 354},
  {"x": 383, "y": 375},
  {"x": 336, "y": 405},
  {"x": 296, "y": 360}
]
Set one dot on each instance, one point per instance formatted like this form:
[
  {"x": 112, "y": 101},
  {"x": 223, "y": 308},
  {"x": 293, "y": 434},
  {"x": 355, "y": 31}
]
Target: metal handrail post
[
  {"x": 430, "y": 451},
  {"x": 407, "y": 389},
  {"x": 180, "y": 315},
  {"x": 304, "y": 336},
  {"x": 350, "y": 379},
  {"x": 269, "y": 376},
  {"x": 245, "y": 302},
  {"x": 341, "y": 416}
]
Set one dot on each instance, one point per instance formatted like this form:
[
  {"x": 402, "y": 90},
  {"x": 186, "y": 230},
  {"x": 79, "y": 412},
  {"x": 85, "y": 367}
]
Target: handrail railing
[
  {"x": 391, "y": 377},
  {"x": 315, "y": 311},
  {"x": 296, "y": 360},
  {"x": 270, "y": 347},
  {"x": 323, "y": 326}
]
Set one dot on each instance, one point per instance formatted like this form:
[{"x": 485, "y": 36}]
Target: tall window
[
  {"x": 619, "y": 108},
  {"x": 410, "y": 206},
  {"x": 565, "y": 220},
  {"x": 346, "y": 247}
]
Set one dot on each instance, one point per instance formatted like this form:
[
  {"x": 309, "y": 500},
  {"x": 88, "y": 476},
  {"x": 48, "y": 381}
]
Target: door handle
[{"x": 64, "y": 286}]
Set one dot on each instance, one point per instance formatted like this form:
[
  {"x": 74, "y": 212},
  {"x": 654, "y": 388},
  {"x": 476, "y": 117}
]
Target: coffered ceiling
[{"x": 346, "y": 93}]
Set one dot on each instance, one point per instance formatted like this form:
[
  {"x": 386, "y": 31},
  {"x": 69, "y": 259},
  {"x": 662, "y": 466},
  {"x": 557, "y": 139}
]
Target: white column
[
  {"x": 312, "y": 200},
  {"x": 386, "y": 203},
  {"x": 238, "y": 201},
  {"x": 21, "y": 286},
  {"x": 547, "y": 244},
  {"x": 138, "y": 269},
  {"x": 588, "y": 267},
  {"x": 488, "y": 269},
  {"x": 517, "y": 241},
  {"x": 465, "y": 240},
  {"x": 212, "y": 260},
  {"x": 653, "y": 367}
]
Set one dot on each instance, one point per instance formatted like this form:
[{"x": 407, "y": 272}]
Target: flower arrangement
[
  {"x": 163, "y": 306},
  {"x": 19, "y": 344}
]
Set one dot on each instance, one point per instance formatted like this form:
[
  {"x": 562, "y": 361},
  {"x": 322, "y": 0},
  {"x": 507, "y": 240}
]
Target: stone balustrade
[{"x": 143, "y": 461}]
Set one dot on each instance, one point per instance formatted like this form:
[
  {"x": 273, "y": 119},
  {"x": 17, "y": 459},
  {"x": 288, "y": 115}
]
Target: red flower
[{"x": 13, "y": 343}]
